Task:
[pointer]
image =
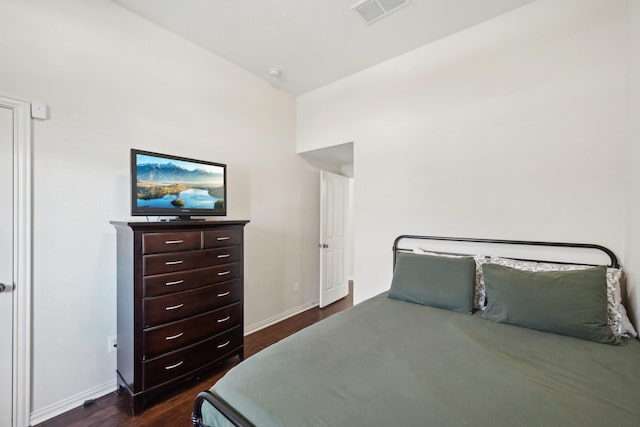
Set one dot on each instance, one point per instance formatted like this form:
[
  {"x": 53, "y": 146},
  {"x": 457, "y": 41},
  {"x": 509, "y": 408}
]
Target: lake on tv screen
[{"x": 193, "y": 198}]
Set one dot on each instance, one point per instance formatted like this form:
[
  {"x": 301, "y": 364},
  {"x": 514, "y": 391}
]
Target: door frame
[{"x": 22, "y": 264}]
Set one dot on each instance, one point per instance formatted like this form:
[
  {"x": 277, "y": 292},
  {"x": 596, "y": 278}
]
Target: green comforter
[{"x": 391, "y": 363}]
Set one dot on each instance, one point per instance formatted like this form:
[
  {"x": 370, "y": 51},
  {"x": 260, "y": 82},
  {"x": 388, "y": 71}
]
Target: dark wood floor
[{"x": 175, "y": 407}]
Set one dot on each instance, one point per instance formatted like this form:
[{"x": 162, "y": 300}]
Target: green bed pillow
[
  {"x": 437, "y": 281},
  {"x": 572, "y": 303}
]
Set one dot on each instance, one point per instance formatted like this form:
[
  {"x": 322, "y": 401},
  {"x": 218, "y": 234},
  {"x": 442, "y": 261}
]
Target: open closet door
[
  {"x": 6, "y": 267},
  {"x": 15, "y": 262},
  {"x": 333, "y": 213}
]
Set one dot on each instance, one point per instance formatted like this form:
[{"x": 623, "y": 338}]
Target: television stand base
[{"x": 186, "y": 218}]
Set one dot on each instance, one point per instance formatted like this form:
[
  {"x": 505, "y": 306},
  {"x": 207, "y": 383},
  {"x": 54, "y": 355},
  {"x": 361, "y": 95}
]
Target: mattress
[{"x": 387, "y": 362}]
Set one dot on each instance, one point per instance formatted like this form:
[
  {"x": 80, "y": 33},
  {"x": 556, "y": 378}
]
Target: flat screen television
[{"x": 167, "y": 185}]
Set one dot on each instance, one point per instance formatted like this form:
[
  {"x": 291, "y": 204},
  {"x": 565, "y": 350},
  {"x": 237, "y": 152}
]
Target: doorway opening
[{"x": 338, "y": 160}]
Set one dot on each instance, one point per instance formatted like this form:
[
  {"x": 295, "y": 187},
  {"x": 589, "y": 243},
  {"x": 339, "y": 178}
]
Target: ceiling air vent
[{"x": 373, "y": 10}]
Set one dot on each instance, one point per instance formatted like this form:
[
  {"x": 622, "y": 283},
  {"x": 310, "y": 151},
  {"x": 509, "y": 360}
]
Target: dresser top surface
[{"x": 175, "y": 225}]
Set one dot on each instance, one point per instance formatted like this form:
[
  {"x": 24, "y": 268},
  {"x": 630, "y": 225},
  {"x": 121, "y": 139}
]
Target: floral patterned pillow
[
  {"x": 617, "y": 314},
  {"x": 479, "y": 295}
]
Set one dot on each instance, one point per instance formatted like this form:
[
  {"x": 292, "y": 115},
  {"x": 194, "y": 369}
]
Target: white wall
[
  {"x": 514, "y": 128},
  {"x": 114, "y": 81},
  {"x": 633, "y": 160}
]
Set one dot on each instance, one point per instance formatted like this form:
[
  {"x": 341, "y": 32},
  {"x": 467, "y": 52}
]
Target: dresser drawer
[
  {"x": 178, "y": 334},
  {"x": 179, "y": 261},
  {"x": 217, "y": 238},
  {"x": 162, "y": 284},
  {"x": 180, "y": 305},
  {"x": 154, "y": 243},
  {"x": 182, "y": 362}
]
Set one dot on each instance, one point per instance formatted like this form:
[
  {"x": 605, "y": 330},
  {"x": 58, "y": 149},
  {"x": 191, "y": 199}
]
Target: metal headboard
[{"x": 612, "y": 257}]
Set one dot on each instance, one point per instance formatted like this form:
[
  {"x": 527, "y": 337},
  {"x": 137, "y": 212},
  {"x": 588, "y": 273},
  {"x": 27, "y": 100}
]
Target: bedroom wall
[
  {"x": 633, "y": 159},
  {"x": 114, "y": 81},
  {"x": 514, "y": 128}
]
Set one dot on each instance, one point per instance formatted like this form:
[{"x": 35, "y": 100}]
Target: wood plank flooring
[{"x": 174, "y": 408}]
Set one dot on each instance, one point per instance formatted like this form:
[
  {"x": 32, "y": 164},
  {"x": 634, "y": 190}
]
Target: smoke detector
[
  {"x": 374, "y": 10},
  {"x": 274, "y": 73}
]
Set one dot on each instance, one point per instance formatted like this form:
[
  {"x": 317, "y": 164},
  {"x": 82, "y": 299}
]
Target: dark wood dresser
[{"x": 180, "y": 302}]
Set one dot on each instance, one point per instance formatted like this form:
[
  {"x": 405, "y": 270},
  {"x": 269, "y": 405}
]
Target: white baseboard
[
  {"x": 278, "y": 318},
  {"x": 46, "y": 413}
]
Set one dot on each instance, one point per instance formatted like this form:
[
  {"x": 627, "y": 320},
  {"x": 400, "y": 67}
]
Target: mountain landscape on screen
[
  {"x": 171, "y": 185},
  {"x": 170, "y": 172}
]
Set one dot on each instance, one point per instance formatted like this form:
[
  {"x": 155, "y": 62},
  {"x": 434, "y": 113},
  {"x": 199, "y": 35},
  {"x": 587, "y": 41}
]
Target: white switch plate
[{"x": 39, "y": 110}]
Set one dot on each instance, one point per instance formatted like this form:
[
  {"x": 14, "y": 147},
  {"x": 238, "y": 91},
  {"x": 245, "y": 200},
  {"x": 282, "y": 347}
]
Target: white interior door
[
  {"x": 6, "y": 267},
  {"x": 333, "y": 213}
]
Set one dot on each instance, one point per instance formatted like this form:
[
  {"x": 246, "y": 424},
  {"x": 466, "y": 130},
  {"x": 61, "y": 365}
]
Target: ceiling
[{"x": 312, "y": 42}]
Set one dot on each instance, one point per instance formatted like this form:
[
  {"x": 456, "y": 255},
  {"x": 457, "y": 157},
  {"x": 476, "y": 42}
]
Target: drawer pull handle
[
  {"x": 224, "y": 256},
  {"x": 176, "y": 282},
  {"x": 224, "y": 345},
  {"x": 224, "y": 273},
  {"x": 173, "y": 337},
  {"x": 173, "y": 242},
  {"x": 224, "y": 238},
  {"x": 174, "y": 307},
  {"x": 173, "y": 262},
  {"x": 174, "y": 366},
  {"x": 224, "y": 320},
  {"x": 224, "y": 294}
]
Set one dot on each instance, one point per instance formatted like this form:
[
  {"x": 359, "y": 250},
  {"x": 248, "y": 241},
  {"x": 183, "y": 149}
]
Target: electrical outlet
[
  {"x": 296, "y": 288},
  {"x": 113, "y": 344}
]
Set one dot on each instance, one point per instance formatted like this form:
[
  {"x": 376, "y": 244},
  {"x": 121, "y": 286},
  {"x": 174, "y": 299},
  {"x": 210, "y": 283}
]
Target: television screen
[{"x": 163, "y": 184}]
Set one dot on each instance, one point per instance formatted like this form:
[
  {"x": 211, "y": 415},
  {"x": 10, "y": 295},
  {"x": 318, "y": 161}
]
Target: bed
[{"x": 417, "y": 357}]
